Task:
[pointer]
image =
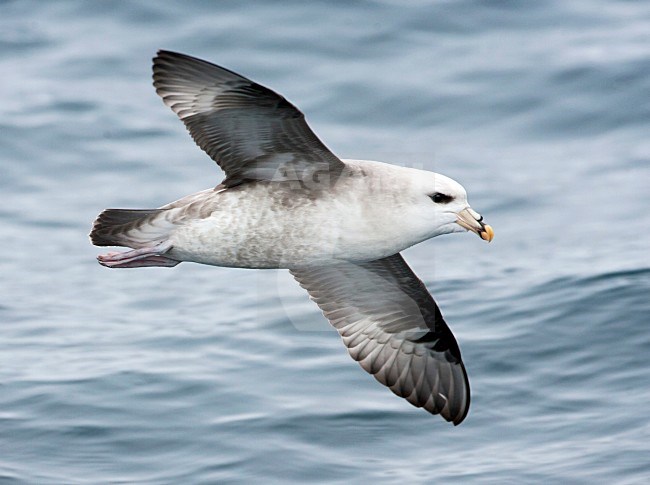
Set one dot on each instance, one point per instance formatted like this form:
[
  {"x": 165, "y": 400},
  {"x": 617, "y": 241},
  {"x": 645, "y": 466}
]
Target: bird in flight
[{"x": 337, "y": 225}]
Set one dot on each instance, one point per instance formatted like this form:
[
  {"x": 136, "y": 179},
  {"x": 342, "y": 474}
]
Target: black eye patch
[{"x": 439, "y": 198}]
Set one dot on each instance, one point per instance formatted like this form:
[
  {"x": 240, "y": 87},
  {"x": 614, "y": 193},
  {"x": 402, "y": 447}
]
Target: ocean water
[{"x": 199, "y": 374}]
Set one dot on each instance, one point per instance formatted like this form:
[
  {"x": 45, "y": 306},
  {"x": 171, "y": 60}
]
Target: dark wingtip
[
  {"x": 162, "y": 55},
  {"x": 166, "y": 53},
  {"x": 167, "y": 62},
  {"x": 468, "y": 393}
]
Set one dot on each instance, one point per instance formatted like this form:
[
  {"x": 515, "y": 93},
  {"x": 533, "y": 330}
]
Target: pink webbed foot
[{"x": 139, "y": 258}]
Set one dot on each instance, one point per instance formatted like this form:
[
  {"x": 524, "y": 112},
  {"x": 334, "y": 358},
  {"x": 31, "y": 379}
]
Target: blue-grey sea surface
[{"x": 200, "y": 374}]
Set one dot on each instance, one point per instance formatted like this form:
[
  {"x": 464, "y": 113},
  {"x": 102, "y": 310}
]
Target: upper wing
[
  {"x": 394, "y": 329},
  {"x": 250, "y": 131}
]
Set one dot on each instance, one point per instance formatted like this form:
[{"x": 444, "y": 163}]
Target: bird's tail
[{"x": 124, "y": 227}]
